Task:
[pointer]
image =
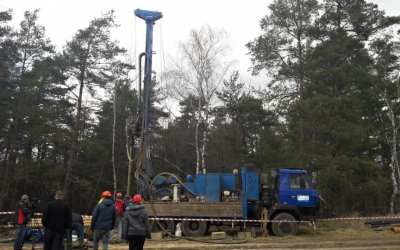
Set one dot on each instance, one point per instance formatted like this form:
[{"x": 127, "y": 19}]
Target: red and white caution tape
[
  {"x": 360, "y": 218},
  {"x": 225, "y": 220},
  {"x": 88, "y": 218}
]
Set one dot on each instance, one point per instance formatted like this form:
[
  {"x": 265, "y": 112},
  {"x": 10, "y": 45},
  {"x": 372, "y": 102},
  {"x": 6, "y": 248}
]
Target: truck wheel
[
  {"x": 194, "y": 228},
  {"x": 162, "y": 225},
  {"x": 284, "y": 228}
]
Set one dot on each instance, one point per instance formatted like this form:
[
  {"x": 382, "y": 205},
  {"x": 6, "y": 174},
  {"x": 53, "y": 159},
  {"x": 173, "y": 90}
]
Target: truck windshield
[{"x": 299, "y": 181}]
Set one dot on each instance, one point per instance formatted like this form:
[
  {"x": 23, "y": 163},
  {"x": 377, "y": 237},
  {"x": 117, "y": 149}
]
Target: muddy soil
[{"x": 348, "y": 239}]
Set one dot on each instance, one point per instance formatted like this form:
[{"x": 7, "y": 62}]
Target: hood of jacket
[
  {"x": 107, "y": 202},
  {"x": 134, "y": 209}
]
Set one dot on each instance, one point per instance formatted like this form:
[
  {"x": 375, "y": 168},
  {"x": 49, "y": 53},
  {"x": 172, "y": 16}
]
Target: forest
[{"x": 331, "y": 105}]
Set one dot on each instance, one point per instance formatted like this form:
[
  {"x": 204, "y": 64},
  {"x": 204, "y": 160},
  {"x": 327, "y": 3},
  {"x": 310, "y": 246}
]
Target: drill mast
[{"x": 144, "y": 169}]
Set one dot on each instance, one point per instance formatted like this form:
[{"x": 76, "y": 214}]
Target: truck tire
[
  {"x": 162, "y": 226},
  {"x": 284, "y": 228},
  {"x": 194, "y": 228}
]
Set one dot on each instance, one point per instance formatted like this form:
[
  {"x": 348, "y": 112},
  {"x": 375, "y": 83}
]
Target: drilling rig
[
  {"x": 144, "y": 169},
  {"x": 216, "y": 199}
]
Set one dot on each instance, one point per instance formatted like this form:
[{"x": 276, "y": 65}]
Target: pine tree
[{"x": 91, "y": 57}]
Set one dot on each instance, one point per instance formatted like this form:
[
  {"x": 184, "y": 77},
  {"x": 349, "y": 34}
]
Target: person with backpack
[{"x": 135, "y": 224}]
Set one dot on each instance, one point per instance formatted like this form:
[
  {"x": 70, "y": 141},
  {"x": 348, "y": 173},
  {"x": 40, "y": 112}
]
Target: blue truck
[{"x": 285, "y": 195}]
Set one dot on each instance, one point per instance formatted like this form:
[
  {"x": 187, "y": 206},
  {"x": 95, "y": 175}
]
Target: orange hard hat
[
  {"x": 137, "y": 198},
  {"x": 106, "y": 194}
]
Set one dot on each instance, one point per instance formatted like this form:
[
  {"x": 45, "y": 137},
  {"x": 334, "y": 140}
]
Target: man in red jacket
[
  {"x": 119, "y": 210},
  {"x": 23, "y": 216},
  {"x": 119, "y": 204}
]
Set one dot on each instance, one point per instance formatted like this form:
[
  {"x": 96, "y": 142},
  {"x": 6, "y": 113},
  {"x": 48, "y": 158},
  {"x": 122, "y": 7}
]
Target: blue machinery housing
[{"x": 293, "y": 188}]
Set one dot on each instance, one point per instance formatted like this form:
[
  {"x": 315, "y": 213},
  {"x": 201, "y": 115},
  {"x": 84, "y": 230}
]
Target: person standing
[
  {"x": 78, "y": 227},
  {"x": 103, "y": 221},
  {"x": 57, "y": 218},
  {"x": 119, "y": 205},
  {"x": 23, "y": 216},
  {"x": 119, "y": 210},
  {"x": 127, "y": 201},
  {"x": 135, "y": 223}
]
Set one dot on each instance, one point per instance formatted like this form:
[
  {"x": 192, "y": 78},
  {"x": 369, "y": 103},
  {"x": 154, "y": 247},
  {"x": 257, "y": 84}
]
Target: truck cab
[
  {"x": 291, "y": 198},
  {"x": 295, "y": 189}
]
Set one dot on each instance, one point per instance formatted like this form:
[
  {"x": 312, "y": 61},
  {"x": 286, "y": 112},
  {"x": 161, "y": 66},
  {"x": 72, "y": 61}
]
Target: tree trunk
[
  {"x": 301, "y": 81},
  {"x": 129, "y": 154},
  {"x": 75, "y": 138},
  {"x": 394, "y": 164},
  {"x": 205, "y": 140},
  {"x": 113, "y": 140},
  {"x": 196, "y": 137},
  {"x": 6, "y": 179}
]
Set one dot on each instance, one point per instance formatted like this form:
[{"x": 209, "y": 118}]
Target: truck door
[{"x": 295, "y": 190}]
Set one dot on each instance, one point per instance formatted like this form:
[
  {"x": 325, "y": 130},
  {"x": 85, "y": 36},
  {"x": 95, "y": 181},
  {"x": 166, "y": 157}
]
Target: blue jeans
[
  {"x": 103, "y": 235},
  {"x": 19, "y": 240},
  {"x": 78, "y": 228}
]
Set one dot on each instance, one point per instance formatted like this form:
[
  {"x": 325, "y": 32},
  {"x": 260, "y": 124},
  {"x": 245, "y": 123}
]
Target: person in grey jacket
[{"x": 135, "y": 224}]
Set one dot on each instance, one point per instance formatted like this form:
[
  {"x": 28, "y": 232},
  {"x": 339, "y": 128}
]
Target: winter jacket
[
  {"x": 23, "y": 213},
  {"x": 57, "y": 216},
  {"x": 77, "y": 219},
  {"x": 103, "y": 216},
  {"x": 135, "y": 222},
  {"x": 119, "y": 207}
]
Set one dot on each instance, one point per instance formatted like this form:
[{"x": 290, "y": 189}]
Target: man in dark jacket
[
  {"x": 23, "y": 216},
  {"x": 57, "y": 218},
  {"x": 103, "y": 220},
  {"x": 135, "y": 224},
  {"x": 127, "y": 201}
]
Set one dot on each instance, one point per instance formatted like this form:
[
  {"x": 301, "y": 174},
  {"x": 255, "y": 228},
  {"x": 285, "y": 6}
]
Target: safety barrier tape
[
  {"x": 224, "y": 220},
  {"x": 10, "y": 213},
  {"x": 87, "y": 219},
  {"x": 5, "y": 213},
  {"x": 360, "y": 218}
]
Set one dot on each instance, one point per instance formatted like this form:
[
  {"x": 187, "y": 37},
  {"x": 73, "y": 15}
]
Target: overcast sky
[{"x": 240, "y": 19}]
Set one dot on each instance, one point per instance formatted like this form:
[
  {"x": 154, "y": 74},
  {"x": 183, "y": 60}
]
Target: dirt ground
[{"x": 344, "y": 237}]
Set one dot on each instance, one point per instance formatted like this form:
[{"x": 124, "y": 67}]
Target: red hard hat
[
  {"x": 137, "y": 198},
  {"x": 106, "y": 194}
]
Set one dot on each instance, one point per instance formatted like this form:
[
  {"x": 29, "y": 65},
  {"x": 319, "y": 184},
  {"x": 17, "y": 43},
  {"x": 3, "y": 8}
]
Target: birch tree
[
  {"x": 199, "y": 74},
  {"x": 388, "y": 93}
]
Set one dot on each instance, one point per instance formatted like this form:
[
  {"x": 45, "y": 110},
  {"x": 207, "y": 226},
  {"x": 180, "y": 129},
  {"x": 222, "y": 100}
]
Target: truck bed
[{"x": 194, "y": 209}]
